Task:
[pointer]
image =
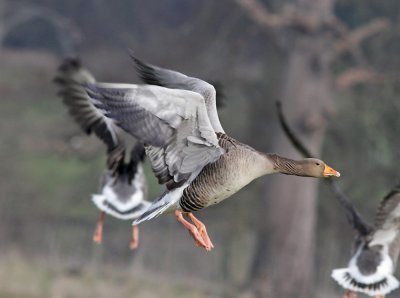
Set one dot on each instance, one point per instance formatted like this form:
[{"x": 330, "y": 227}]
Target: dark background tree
[
  {"x": 335, "y": 66},
  {"x": 287, "y": 238}
]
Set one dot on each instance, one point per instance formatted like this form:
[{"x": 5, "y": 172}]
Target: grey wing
[
  {"x": 69, "y": 79},
  {"x": 154, "y": 75},
  {"x": 387, "y": 218},
  {"x": 173, "y": 124},
  {"x": 388, "y": 213}
]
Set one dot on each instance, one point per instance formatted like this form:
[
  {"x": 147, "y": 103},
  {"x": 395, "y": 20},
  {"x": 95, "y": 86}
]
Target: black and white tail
[
  {"x": 164, "y": 203},
  {"x": 123, "y": 195},
  {"x": 373, "y": 285}
]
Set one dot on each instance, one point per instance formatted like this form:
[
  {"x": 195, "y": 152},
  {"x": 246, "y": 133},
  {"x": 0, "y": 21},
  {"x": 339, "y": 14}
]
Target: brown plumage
[
  {"x": 191, "y": 154},
  {"x": 237, "y": 167}
]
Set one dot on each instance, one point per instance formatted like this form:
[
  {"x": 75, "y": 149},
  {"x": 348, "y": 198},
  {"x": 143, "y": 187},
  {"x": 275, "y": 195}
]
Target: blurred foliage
[{"x": 51, "y": 168}]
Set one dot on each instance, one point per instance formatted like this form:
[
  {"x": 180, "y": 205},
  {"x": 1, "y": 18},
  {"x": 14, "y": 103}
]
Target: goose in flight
[
  {"x": 175, "y": 116},
  {"x": 123, "y": 186},
  {"x": 376, "y": 250}
]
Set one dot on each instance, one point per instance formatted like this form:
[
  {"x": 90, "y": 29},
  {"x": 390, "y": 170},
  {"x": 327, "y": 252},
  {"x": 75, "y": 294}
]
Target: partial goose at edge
[
  {"x": 376, "y": 250},
  {"x": 123, "y": 186}
]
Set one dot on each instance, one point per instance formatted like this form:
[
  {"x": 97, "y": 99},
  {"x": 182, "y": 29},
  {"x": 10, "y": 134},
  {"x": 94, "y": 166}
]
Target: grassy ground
[{"x": 21, "y": 277}]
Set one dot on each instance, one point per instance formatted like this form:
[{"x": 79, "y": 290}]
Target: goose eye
[{"x": 318, "y": 164}]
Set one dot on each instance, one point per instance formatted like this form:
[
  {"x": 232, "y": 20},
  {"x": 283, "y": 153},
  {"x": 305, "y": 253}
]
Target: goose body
[
  {"x": 123, "y": 194},
  {"x": 371, "y": 268},
  {"x": 238, "y": 166},
  {"x": 123, "y": 186},
  {"x": 190, "y": 153}
]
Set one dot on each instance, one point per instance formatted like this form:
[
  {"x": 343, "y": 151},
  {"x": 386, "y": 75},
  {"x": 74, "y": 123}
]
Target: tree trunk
[{"x": 284, "y": 259}]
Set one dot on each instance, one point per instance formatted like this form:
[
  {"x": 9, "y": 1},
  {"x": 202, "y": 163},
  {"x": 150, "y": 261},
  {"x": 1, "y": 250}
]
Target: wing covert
[
  {"x": 173, "y": 124},
  {"x": 154, "y": 75}
]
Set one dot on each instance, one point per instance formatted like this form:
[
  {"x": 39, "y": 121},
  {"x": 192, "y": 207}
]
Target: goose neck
[{"x": 285, "y": 165}]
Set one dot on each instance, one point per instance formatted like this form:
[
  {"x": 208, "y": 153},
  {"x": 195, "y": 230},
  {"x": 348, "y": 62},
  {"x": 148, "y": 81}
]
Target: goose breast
[{"x": 219, "y": 180}]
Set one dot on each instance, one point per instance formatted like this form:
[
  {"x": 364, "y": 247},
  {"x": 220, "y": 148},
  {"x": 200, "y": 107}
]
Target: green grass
[
  {"x": 22, "y": 278},
  {"x": 48, "y": 172}
]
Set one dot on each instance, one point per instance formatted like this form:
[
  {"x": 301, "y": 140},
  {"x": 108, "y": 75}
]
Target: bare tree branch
[
  {"x": 358, "y": 35},
  {"x": 349, "y": 39},
  {"x": 289, "y": 17},
  {"x": 358, "y": 75},
  {"x": 259, "y": 13}
]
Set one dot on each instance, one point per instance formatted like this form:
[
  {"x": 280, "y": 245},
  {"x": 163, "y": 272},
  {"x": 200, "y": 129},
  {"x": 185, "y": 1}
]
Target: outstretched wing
[
  {"x": 388, "y": 213},
  {"x": 154, "y": 75},
  {"x": 70, "y": 79},
  {"x": 387, "y": 219},
  {"x": 353, "y": 216},
  {"x": 172, "y": 123}
]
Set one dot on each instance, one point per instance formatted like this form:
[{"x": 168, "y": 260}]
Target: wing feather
[
  {"x": 69, "y": 79},
  {"x": 387, "y": 219},
  {"x": 154, "y": 75},
  {"x": 172, "y": 123},
  {"x": 388, "y": 213}
]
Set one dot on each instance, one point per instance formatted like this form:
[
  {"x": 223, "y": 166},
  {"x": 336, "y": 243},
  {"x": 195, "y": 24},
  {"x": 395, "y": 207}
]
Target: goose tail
[
  {"x": 379, "y": 285},
  {"x": 123, "y": 193},
  {"x": 164, "y": 203},
  {"x": 126, "y": 212}
]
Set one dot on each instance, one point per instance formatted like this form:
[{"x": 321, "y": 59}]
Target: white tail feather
[
  {"x": 344, "y": 278},
  {"x": 101, "y": 202},
  {"x": 166, "y": 201}
]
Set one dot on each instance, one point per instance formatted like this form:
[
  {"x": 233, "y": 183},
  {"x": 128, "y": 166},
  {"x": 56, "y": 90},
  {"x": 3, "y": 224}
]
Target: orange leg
[
  {"x": 135, "y": 237},
  {"x": 192, "y": 230},
  {"x": 350, "y": 294},
  {"x": 98, "y": 233},
  {"x": 202, "y": 230},
  {"x": 380, "y": 296}
]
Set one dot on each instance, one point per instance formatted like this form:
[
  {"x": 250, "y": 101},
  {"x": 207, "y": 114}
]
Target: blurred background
[{"x": 335, "y": 65}]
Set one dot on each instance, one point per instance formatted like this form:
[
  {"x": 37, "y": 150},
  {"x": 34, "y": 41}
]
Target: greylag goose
[
  {"x": 371, "y": 268},
  {"x": 123, "y": 186},
  {"x": 175, "y": 116}
]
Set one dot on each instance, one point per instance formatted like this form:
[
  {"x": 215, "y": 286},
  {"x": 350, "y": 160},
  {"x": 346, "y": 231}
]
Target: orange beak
[{"x": 329, "y": 172}]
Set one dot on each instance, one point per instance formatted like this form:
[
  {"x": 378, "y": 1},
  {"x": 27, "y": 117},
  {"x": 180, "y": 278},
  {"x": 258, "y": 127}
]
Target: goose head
[
  {"x": 313, "y": 167},
  {"x": 308, "y": 167}
]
